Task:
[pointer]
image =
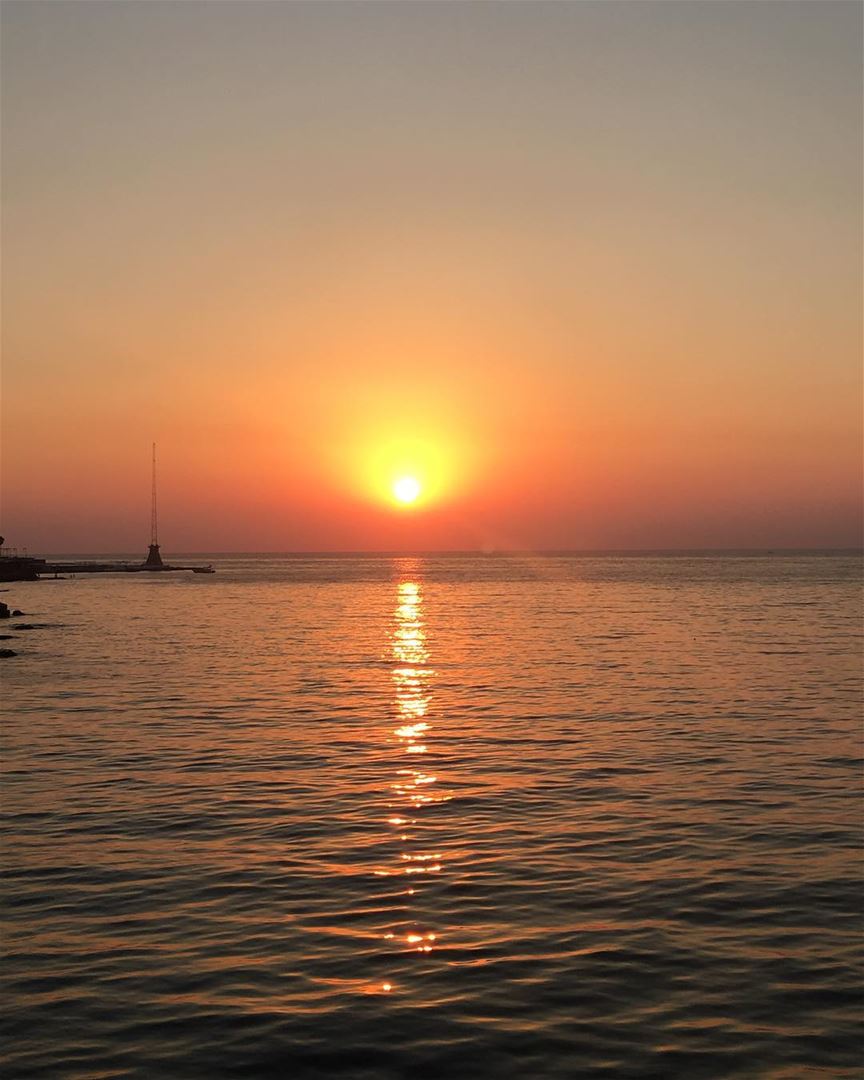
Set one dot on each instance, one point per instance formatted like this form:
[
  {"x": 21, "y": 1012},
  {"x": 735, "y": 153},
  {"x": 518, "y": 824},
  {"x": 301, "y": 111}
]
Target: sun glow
[
  {"x": 405, "y": 473},
  {"x": 406, "y": 489}
]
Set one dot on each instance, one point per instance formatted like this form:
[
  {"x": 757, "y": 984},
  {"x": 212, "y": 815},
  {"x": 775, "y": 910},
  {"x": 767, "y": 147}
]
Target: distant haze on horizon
[{"x": 591, "y": 271}]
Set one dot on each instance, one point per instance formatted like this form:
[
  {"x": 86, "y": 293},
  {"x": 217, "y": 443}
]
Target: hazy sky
[{"x": 591, "y": 270}]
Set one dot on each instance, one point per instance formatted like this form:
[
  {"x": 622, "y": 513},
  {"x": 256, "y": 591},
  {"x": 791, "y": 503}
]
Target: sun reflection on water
[{"x": 413, "y": 788}]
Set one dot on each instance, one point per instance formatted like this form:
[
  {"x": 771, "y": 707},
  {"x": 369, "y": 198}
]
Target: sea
[{"x": 467, "y": 816}]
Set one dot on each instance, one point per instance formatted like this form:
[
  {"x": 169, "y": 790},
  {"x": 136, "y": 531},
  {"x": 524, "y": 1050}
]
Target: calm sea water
[{"x": 437, "y": 817}]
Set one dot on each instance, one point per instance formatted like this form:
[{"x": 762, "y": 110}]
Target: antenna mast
[
  {"x": 154, "y": 559},
  {"x": 154, "y": 534}
]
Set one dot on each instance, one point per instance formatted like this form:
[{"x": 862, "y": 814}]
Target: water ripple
[{"x": 382, "y": 817}]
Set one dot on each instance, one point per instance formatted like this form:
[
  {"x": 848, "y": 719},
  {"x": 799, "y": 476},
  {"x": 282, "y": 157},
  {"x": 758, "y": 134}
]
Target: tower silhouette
[{"x": 153, "y": 559}]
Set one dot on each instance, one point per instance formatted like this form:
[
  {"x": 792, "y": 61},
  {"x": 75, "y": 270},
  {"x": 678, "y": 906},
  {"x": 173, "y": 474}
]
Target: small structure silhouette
[{"x": 153, "y": 557}]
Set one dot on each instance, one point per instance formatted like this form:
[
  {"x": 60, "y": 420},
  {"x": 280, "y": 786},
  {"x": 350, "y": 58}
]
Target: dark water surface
[{"x": 436, "y": 817}]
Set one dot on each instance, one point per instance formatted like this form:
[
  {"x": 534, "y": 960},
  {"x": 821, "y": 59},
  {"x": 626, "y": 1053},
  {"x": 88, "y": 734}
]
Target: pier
[
  {"x": 25, "y": 568},
  {"x": 15, "y": 567},
  {"x": 117, "y": 568}
]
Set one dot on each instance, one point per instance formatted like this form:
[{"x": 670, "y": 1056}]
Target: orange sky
[{"x": 593, "y": 270}]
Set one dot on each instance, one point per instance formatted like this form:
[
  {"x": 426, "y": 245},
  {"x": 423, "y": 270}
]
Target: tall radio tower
[{"x": 153, "y": 557}]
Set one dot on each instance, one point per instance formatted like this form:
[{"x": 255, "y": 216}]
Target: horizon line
[{"x": 491, "y": 552}]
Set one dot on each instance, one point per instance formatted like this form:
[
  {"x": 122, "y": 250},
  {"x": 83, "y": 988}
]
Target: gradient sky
[{"x": 592, "y": 269}]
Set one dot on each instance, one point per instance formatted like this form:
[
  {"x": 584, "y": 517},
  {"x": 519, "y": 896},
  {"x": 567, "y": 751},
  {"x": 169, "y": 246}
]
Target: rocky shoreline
[{"x": 7, "y": 613}]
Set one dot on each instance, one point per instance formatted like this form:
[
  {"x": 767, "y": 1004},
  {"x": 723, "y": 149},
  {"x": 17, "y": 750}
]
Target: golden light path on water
[{"x": 414, "y": 787}]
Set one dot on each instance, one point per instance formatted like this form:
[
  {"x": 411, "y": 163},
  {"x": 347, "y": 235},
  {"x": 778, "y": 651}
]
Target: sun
[{"x": 406, "y": 489}]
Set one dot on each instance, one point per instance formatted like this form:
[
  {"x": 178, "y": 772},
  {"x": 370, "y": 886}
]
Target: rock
[
  {"x": 7, "y": 652},
  {"x": 4, "y": 610},
  {"x": 16, "y": 613}
]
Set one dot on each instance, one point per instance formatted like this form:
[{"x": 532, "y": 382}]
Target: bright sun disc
[{"x": 406, "y": 489}]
